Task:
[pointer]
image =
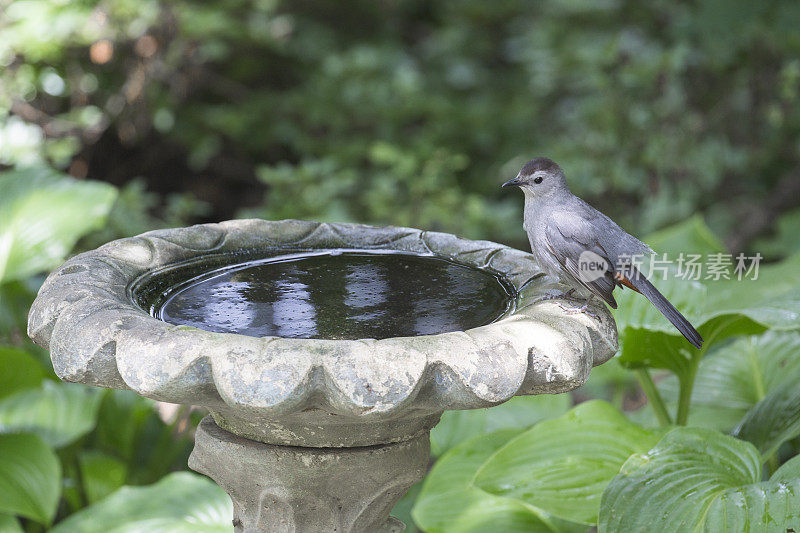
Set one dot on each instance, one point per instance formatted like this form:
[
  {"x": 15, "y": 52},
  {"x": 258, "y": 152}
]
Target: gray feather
[
  {"x": 561, "y": 227},
  {"x": 566, "y": 242}
]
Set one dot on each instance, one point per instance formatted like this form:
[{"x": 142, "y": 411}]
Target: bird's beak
[{"x": 513, "y": 182}]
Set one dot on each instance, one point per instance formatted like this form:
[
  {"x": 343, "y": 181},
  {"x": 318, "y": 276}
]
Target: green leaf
[
  {"x": 773, "y": 420},
  {"x": 772, "y": 300},
  {"x": 18, "y": 370},
  {"x": 689, "y": 296},
  {"x": 16, "y": 298},
  {"x": 9, "y": 524},
  {"x": 519, "y": 412},
  {"x": 562, "y": 466},
  {"x": 59, "y": 413},
  {"x": 690, "y": 236},
  {"x": 737, "y": 307},
  {"x": 101, "y": 474},
  {"x": 722, "y": 310},
  {"x": 402, "y": 509},
  {"x": 30, "y": 477},
  {"x": 449, "y": 503},
  {"x": 636, "y": 312},
  {"x": 42, "y": 214},
  {"x": 697, "y": 479},
  {"x": 120, "y": 421},
  {"x": 130, "y": 426},
  {"x": 180, "y": 502},
  {"x": 733, "y": 379},
  {"x": 790, "y": 470},
  {"x": 649, "y": 340}
]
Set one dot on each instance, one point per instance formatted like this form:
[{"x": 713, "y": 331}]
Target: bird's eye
[{"x": 537, "y": 179}]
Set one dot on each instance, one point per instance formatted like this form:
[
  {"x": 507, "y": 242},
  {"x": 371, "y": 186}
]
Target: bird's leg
[
  {"x": 582, "y": 309},
  {"x": 563, "y": 295}
]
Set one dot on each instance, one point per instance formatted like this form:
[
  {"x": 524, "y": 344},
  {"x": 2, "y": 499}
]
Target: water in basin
[{"x": 331, "y": 294}]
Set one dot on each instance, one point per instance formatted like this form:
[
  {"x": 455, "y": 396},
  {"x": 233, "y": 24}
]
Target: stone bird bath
[{"x": 315, "y": 434}]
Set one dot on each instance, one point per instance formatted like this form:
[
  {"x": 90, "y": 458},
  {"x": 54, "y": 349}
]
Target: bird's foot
[
  {"x": 562, "y": 296},
  {"x": 582, "y": 309}
]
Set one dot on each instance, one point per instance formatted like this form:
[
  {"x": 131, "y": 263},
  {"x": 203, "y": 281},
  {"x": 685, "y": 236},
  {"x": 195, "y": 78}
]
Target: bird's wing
[
  {"x": 570, "y": 234},
  {"x": 572, "y": 241},
  {"x": 615, "y": 240}
]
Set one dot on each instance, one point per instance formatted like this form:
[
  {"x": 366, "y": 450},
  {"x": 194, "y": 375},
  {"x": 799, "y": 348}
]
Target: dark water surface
[{"x": 334, "y": 295}]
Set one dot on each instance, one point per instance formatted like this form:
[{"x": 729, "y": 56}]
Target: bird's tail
[{"x": 643, "y": 285}]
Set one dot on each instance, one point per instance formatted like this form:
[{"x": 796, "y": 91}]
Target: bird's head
[{"x": 539, "y": 177}]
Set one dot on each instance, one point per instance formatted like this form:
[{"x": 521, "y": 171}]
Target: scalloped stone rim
[{"x": 312, "y": 392}]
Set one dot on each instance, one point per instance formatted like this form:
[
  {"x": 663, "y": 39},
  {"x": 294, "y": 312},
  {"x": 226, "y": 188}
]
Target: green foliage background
[
  {"x": 413, "y": 112},
  {"x": 679, "y": 119}
]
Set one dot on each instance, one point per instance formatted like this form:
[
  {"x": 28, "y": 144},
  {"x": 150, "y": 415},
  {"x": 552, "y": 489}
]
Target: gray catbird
[{"x": 582, "y": 247}]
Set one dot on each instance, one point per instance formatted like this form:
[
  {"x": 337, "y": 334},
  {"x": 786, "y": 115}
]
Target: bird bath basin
[
  {"x": 324, "y": 353},
  {"x": 355, "y": 294}
]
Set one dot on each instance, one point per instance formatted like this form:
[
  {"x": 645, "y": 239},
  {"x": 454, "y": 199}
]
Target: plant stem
[
  {"x": 653, "y": 396},
  {"x": 686, "y": 387},
  {"x": 772, "y": 463}
]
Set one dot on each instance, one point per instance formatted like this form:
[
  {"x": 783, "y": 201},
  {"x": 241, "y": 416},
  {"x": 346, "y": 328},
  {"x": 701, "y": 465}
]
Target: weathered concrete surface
[
  {"x": 291, "y": 489},
  {"x": 310, "y": 392}
]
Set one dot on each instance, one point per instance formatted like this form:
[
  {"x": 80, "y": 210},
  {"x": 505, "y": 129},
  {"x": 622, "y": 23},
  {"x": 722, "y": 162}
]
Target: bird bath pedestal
[{"x": 314, "y": 428}]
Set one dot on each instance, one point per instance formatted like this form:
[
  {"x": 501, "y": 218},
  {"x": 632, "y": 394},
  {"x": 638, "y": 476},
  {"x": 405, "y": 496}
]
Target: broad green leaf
[
  {"x": 59, "y": 413},
  {"x": 790, "y": 470},
  {"x": 728, "y": 308},
  {"x": 772, "y": 300},
  {"x": 668, "y": 350},
  {"x": 647, "y": 338},
  {"x": 734, "y": 378},
  {"x": 518, "y": 413},
  {"x": 655, "y": 349},
  {"x": 180, "y": 503},
  {"x": 42, "y": 214},
  {"x": 101, "y": 474},
  {"x": 457, "y": 467},
  {"x": 9, "y": 524},
  {"x": 765, "y": 506},
  {"x": 690, "y": 236},
  {"x": 773, "y": 420},
  {"x": 30, "y": 477},
  {"x": 18, "y": 370},
  {"x": 562, "y": 466},
  {"x": 697, "y": 479},
  {"x": 449, "y": 503},
  {"x": 636, "y": 312}
]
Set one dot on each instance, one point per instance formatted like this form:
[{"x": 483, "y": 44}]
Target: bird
[{"x": 583, "y": 248}]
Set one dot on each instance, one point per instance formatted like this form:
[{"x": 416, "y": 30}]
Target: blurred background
[
  {"x": 121, "y": 116},
  {"x": 411, "y": 112}
]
